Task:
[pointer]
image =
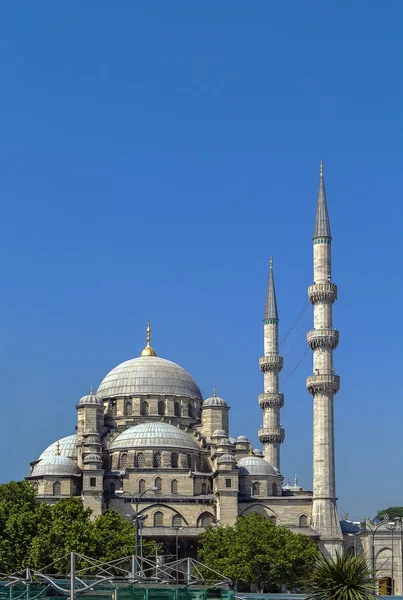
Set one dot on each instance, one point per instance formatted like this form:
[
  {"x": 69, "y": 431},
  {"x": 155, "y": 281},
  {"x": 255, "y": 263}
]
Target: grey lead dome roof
[
  {"x": 214, "y": 401},
  {"x": 148, "y": 375},
  {"x": 154, "y": 435},
  {"x": 67, "y": 447},
  {"x": 55, "y": 465},
  {"x": 253, "y": 465}
]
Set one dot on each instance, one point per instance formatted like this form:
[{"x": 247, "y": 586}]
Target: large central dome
[{"x": 148, "y": 375}]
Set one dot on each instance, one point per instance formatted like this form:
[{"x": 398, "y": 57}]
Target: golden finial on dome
[
  {"x": 57, "y": 448},
  {"x": 148, "y": 351},
  {"x": 214, "y": 393},
  {"x": 250, "y": 450},
  {"x": 91, "y": 390}
]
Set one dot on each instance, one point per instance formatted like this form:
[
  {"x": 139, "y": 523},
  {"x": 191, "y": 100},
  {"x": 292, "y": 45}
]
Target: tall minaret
[
  {"x": 271, "y": 434},
  {"x": 323, "y": 384}
]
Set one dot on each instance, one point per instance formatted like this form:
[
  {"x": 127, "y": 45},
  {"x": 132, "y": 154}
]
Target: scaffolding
[{"x": 127, "y": 578}]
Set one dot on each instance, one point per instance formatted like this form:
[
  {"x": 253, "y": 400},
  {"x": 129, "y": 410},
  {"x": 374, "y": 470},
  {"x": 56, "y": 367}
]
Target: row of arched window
[
  {"x": 257, "y": 489},
  {"x": 140, "y": 460},
  {"x": 161, "y": 409},
  {"x": 204, "y": 520}
]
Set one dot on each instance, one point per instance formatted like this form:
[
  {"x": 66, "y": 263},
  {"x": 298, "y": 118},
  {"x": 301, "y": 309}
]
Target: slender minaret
[
  {"x": 271, "y": 435},
  {"x": 323, "y": 384}
]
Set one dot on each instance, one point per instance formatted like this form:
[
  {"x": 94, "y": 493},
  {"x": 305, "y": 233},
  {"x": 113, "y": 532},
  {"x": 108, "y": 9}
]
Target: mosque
[{"x": 147, "y": 442}]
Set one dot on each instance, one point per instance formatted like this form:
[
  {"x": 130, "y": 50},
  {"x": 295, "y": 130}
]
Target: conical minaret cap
[
  {"x": 322, "y": 223},
  {"x": 270, "y": 311}
]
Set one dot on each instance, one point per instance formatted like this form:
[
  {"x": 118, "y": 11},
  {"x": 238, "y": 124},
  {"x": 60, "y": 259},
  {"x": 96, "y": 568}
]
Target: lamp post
[
  {"x": 177, "y": 553},
  {"x": 391, "y": 525},
  {"x": 136, "y": 500}
]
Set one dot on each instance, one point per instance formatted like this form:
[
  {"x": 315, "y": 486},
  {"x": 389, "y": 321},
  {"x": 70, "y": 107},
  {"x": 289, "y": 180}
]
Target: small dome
[
  {"x": 254, "y": 465},
  {"x": 242, "y": 438},
  {"x": 90, "y": 400},
  {"x": 226, "y": 458},
  {"x": 257, "y": 452},
  {"x": 91, "y": 458},
  {"x": 219, "y": 433},
  {"x": 154, "y": 435},
  {"x": 214, "y": 400},
  {"x": 148, "y": 375},
  {"x": 92, "y": 440},
  {"x": 66, "y": 446},
  {"x": 55, "y": 465},
  {"x": 224, "y": 442}
]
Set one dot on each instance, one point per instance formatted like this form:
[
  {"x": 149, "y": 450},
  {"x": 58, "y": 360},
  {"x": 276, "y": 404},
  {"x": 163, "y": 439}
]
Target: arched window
[
  {"x": 176, "y": 521},
  {"x": 144, "y": 408},
  {"x": 161, "y": 408},
  {"x": 123, "y": 461},
  {"x": 189, "y": 458},
  {"x": 190, "y": 411},
  {"x": 112, "y": 489},
  {"x": 274, "y": 490},
  {"x": 142, "y": 486},
  {"x": 177, "y": 409},
  {"x": 174, "y": 486},
  {"x": 204, "y": 488},
  {"x": 57, "y": 488},
  {"x": 273, "y": 520},
  {"x": 141, "y": 460},
  {"x": 255, "y": 488},
  {"x": 35, "y": 486},
  {"x": 158, "y": 484},
  {"x": 114, "y": 408},
  {"x": 158, "y": 519},
  {"x": 157, "y": 459},
  {"x": 129, "y": 408},
  {"x": 303, "y": 521},
  {"x": 205, "y": 520},
  {"x": 174, "y": 460}
]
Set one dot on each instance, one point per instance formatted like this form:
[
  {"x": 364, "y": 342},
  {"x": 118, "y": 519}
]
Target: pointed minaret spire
[
  {"x": 322, "y": 224},
  {"x": 270, "y": 311}
]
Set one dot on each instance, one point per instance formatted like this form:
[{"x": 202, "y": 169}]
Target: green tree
[
  {"x": 36, "y": 534},
  {"x": 393, "y": 512},
  {"x": 254, "y": 551},
  {"x": 18, "y": 524},
  {"x": 347, "y": 577}
]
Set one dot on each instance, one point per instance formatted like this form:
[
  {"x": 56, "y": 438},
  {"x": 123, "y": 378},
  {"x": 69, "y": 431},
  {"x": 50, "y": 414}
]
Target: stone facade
[{"x": 147, "y": 441}]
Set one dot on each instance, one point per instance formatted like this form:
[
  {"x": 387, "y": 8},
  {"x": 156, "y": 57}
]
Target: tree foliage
[
  {"x": 347, "y": 577},
  {"x": 255, "y": 551},
  {"x": 393, "y": 512},
  {"x": 36, "y": 534}
]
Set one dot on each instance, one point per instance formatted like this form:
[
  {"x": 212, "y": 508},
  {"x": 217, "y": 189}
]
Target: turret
[
  {"x": 271, "y": 435},
  {"x": 324, "y": 383},
  {"x": 214, "y": 415}
]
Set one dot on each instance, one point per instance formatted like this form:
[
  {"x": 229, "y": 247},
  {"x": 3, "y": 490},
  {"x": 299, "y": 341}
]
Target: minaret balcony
[
  {"x": 322, "y": 292},
  {"x": 323, "y": 338},
  {"x": 271, "y": 363},
  {"x": 272, "y": 435},
  {"x": 271, "y": 400},
  {"x": 323, "y": 383}
]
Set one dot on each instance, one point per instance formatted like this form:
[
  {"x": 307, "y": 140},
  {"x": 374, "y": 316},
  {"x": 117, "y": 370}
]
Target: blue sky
[{"x": 152, "y": 157}]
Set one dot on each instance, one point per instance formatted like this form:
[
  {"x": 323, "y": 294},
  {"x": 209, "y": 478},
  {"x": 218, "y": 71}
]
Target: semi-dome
[
  {"x": 148, "y": 375},
  {"x": 254, "y": 465},
  {"x": 214, "y": 400},
  {"x": 55, "y": 465},
  {"x": 154, "y": 435},
  {"x": 66, "y": 446}
]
